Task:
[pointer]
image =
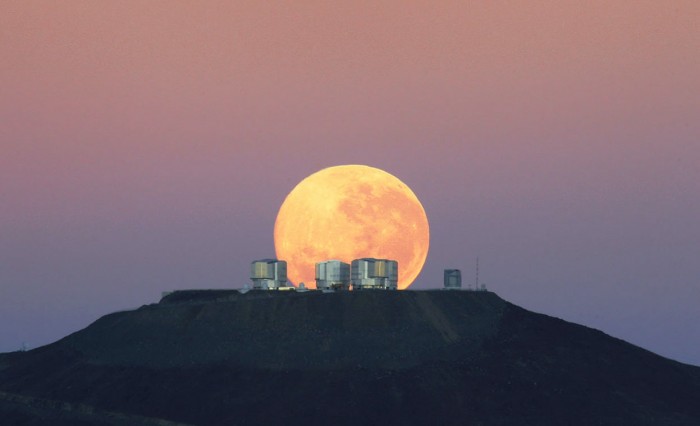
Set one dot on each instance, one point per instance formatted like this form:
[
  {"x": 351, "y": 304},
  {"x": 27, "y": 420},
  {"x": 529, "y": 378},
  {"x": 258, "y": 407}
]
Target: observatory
[
  {"x": 453, "y": 279},
  {"x": 370, "y": 273},
  {"x": 268, "y": 274},
  {"x": 332, "y": 275}
]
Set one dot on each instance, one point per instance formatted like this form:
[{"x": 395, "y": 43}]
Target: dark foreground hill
[{"x": 407, "y": 357}]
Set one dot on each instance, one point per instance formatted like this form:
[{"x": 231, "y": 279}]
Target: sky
[{"x": 147, "y": 146}]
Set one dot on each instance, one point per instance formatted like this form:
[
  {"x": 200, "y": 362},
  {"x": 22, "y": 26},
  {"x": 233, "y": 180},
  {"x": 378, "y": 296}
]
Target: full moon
[{"x": 349, "y": 212}]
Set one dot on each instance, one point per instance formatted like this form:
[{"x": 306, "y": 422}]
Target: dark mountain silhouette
[{"x": 373, "y": 357}]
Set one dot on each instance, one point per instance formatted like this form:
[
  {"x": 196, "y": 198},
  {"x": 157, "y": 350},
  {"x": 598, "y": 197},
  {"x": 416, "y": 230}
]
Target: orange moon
[{"x": 349, "y": 212}]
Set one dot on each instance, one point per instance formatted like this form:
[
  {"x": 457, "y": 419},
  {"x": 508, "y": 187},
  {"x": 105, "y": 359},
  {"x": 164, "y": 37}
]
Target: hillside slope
[{"x": 411, "y": 357}]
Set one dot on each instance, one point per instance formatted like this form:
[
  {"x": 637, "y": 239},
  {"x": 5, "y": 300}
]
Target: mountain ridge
[{"x": 409, "y": 357}]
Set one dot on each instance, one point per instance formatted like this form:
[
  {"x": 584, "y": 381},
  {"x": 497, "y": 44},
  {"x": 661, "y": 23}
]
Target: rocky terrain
[{"x": 405, "y": 357}]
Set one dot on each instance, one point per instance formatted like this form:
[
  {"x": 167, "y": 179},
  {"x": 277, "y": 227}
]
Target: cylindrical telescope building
[
  {"x": 453, "y": 279},
  {"x": 332, "y": 275},
  {"x": 268, "y": 274},
  {"x": 370, "y": 273}
]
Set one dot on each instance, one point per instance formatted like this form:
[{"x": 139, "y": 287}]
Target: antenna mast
[{"x": 476, "y": 286}]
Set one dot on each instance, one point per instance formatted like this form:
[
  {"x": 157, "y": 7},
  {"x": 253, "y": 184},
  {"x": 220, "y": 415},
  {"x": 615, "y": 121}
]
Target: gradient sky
[{"x": 147, "y": 146}]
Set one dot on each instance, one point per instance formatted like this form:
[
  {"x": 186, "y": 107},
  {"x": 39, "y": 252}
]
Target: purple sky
[{"x": 148, "y": 146}]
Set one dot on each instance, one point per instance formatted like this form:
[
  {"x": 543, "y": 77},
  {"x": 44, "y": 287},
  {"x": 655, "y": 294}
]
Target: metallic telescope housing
[
  {"x": 332, "y": 275},
  {"x": 268, "y": 274},
  {"x": 369, "y": 273},
  {"x": 453, "y": 279}
]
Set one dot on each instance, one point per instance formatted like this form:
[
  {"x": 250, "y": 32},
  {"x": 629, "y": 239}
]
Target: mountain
[{"x": 362, "y": 357}]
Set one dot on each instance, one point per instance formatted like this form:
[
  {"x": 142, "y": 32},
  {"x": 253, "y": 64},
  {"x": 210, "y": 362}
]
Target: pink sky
[{"x": 147, "y": 146}]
